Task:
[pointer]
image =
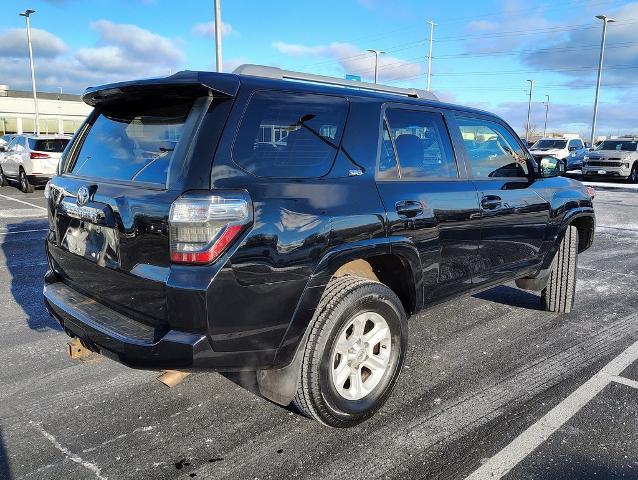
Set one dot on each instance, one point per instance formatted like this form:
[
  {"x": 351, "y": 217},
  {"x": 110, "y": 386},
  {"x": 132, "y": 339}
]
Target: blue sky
[{"x": 483, "y": 51}]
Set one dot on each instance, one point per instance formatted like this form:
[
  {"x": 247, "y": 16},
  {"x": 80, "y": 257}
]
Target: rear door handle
[
  {"x": 491, "y": 202},
  {"x": 409, "y": 208}
]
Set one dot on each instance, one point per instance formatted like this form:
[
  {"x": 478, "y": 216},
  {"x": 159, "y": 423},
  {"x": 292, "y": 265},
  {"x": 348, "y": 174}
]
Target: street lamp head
[
  {"x": 605, "y": 18},
  {"x": 27, "y": 12},
  {"x": 376, "y": 52}
]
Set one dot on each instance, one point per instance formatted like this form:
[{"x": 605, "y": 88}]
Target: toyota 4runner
[{"x": 289, "y": 224}]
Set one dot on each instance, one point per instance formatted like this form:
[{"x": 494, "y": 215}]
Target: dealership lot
[{"x": 482, "y": 372}]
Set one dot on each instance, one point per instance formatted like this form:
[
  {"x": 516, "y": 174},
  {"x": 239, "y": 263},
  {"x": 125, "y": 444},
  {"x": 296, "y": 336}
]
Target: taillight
[
  {"x": 35, "y": 155},
  {"x": 203, "y": 225}
]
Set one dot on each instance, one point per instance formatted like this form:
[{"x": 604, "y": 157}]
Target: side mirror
[
  {"x": 3, "y": 148},
  {"x": 551, "y": 167}
]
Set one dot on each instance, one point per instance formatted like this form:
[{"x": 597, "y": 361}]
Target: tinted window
[
  {"x": 55, "y": 145},
  {"x": 618, "y": 145},
  {"x": 422, "y": 144},
  {"x": 492, "y": 149},
  {"x": 290, "y": 135},
  {"x": 558, "y": 144},
  {"x": 132, "y": 141}
]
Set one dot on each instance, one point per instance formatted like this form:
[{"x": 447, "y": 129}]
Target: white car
[
  {"x": 31, "y": 160},
  {"x": 571, "y": 151}
]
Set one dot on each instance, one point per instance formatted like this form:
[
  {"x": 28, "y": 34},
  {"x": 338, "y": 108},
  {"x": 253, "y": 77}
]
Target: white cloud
[
  {"x": 576, "y": 54},
  {"x": 486, "y": 34},
  {"x": 13, "y": 43},
  {"x": 354, "y": 61},
  {"x": 612, "y": 119},
  {"x": 207, "y": 29},
  {"x": 122, "y": 52}
]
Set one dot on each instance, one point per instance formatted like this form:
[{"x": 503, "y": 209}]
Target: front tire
[
  {"x": 354, "y": 352},
  {"x": 3, "y": 179},
  {"x": 558, "y": 295},
  {"x": 25, "y": 186},
  {"x": 633, "y": 176}
]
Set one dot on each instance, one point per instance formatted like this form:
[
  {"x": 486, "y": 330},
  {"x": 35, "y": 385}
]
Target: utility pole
[
  {"x": 546, "y": 113},
  {"x": 26, "y": 15},
  {"x": 218, "y": 35},
  {"x": 376, "y": 62},
  {"x": 529, "y": 109},
  {"x": 605, "y": 20},
  {"x": 432, "y": 25}
]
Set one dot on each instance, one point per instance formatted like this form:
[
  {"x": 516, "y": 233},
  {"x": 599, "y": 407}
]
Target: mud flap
[{"x": 280, "y": 385}]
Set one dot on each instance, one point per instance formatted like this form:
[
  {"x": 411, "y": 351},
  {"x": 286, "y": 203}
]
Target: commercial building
[{"x": 58, "y": 112}]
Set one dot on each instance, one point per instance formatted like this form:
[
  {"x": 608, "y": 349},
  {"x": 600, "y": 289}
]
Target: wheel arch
[{"x": 395, "y": 264}]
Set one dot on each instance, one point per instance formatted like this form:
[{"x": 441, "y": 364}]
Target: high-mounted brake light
[
  {"x": 35, "y": 155},
  {"x": 203, "y": 225}
]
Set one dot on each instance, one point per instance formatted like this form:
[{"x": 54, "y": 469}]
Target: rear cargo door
[
  {"x": 46, "y": 154},
  {"x": 109, "y": 205}
]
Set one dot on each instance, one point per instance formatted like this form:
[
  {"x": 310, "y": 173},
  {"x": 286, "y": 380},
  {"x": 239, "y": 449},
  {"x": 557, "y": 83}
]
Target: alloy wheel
[{"x": 361, "y": 355}]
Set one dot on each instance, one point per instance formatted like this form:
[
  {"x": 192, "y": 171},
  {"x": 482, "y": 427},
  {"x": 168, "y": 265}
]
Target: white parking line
[
  {"x": 501, "y": 463},
  {"x": 24, "y": 231},
  {"x": 22, "y": 201}
]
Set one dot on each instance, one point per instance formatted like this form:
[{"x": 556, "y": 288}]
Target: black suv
[{"x": 289, "y": 224}]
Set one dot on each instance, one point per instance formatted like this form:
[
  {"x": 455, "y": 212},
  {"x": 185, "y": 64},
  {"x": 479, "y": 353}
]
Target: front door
[
  {"x": 428, "y": 198},
  {"x": 514, "y": 216}
]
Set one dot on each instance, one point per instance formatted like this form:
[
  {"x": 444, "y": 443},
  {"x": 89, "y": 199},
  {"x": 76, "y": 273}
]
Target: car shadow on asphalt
[
  {"x": 514, "y": 297},
  {"x": 26, "y": 264},
  {"x": 5, "y": 469}
]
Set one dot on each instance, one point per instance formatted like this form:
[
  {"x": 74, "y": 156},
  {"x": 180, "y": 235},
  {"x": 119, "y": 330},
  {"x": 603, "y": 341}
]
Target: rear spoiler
[{"x": 189, "y": 83}]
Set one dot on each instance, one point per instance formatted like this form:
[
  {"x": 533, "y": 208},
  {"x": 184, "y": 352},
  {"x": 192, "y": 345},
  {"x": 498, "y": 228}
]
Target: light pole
[
  {"x": 432, "y": 25},
  {"x": 605, "y": 20},
  {"x": 376, "y": 62},
  {"x": 26, "y": 14},
  {"x": 529, "y": 109},
  {"x": 546, "y": 113},
  {"x": 218, "y": 35}
]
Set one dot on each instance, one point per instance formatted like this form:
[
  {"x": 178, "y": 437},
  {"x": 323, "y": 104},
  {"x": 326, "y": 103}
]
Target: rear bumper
[
  {"x": 40, "y": 179},
  {"x": 119, "y": 337}
]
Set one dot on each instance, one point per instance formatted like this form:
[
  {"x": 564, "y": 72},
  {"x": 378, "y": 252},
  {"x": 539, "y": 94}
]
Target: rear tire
[
  {"x": 339, "y": 385},
  {"x": 3, "y": 179},
  {"x": 25, "y": 186},
  {"x": 558, "y": 295}
]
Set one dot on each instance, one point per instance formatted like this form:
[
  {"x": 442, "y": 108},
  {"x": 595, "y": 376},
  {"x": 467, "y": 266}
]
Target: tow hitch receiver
[{"x": 76, "y": 350}]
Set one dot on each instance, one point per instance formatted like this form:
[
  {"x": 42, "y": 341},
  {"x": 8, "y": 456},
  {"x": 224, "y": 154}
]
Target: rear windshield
[
  {"x": 550, "y": 144},
  {"x": 624, "y": 145},
  {"x": 54, "y": 145},
  {"x": 132, "y": 141},
  {"x": 290, "y": 135}
]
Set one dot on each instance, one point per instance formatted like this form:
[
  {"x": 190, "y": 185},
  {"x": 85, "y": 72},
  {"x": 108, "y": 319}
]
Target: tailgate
[{"x": 109, "y": 207}]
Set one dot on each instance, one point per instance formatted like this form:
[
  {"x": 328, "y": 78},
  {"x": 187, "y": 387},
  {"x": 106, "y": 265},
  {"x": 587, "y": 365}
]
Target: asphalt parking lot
[{"x": 492, "y": 387}]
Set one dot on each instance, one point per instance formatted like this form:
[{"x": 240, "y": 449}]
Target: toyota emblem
[{"x": 83, "y": 196}]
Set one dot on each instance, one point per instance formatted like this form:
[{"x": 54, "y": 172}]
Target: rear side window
[
  {"x": 422, "y": 144},
  {"x": 55, "y": 145},
  {"x": 132, "y": 141},
  {"x": 290, "y": 135}
]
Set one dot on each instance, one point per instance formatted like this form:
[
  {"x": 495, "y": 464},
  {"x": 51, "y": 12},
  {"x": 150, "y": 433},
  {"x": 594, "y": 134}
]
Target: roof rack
[{"x": 279, "y": 74}]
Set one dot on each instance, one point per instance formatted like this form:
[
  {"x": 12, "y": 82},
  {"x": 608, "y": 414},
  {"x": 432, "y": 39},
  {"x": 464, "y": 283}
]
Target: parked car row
[
  {"x": 615, "y": 158},
  {"x": 30, "y": 160}
]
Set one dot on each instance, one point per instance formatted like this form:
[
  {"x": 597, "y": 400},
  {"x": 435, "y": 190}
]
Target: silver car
[
  {"x": 31, "y": 160},
  {"x": 616, "y": 158}
]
